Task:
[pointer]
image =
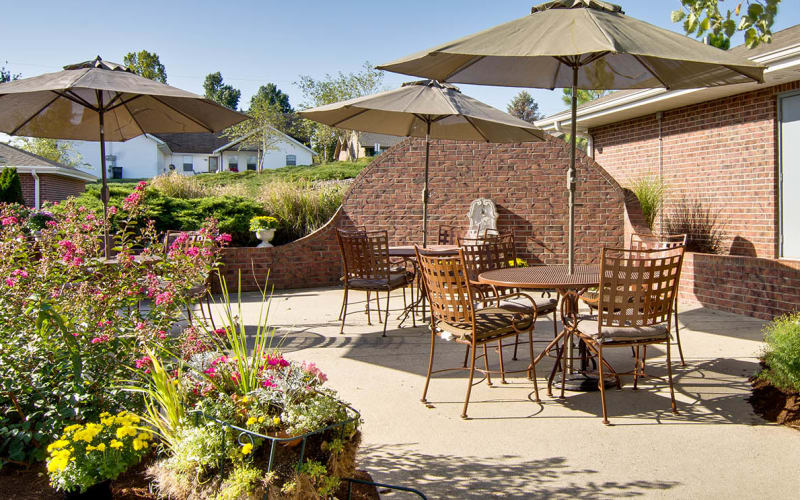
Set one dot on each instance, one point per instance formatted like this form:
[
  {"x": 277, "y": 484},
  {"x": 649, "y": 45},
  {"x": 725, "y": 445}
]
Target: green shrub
[
  {"x": 10, "y": 187},
  {"x": 782, "y": 354},
  {"x": 300, "y": 208},
  {"x": 650, "y": 192}
]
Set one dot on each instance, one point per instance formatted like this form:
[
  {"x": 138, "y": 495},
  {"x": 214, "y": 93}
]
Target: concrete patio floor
[{"x": 513, "y": 447}]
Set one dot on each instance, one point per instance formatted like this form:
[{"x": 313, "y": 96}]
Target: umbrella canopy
[
  {"x": 408, "y": 110},
  {"x": 612, "y": 51},
  {"x": 582, "y": 44},
  {"x": 99, "y": 100},
  {"x": 67, "y": 105},
  {"x": 427, "y": 109}
]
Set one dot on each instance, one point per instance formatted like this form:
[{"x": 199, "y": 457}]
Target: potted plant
[
  {"x": 264, "y": 227},
  {"x": 87, "y": 457}
]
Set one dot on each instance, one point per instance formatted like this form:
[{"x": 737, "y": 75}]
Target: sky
[{"x": 253, "y": 42}]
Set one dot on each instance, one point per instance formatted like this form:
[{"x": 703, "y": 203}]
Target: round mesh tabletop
[
  {"x": 543, "y": 277},
  {"x": 408, "y": 250}
]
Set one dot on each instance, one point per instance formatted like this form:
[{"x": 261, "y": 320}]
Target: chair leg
[
  {"x": 344, "y": 302},
  {"x": 556, "y": 368},
  {"x": 636, "y": 368},
  {"x": 669, "y": 373},
  {"x": 500, "y": 355},
  {"x": 602, "y": 384},
  {"x": 555, "y": 323},
  {"x": 469, "y": 384},
  {"x": 344, "y": 310},
  {"x": 533, "y": 366},
  {"x": 516, "y": 344},
  {"x": 486, "y": 365},
  {"x": 678, "y": 335},
  {"x": 369, "y": 319},
  {"x": 565, "y": 362},
  {"x": 378, "y": 305},
  {"x": 386, "y": 318},
  {"x": 430, "y": 368},
  {"x": 466, "y": 355}
]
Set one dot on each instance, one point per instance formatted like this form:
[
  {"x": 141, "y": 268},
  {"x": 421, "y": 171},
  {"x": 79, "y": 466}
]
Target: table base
[{"x": 579, "y": 382}]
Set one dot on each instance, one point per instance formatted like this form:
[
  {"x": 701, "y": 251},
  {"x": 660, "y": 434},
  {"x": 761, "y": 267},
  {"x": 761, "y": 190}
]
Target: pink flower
[
  {"x": 132, "y": 200},
  {"x": 100, "y": 339},
  {"x": 144, "y": 362},
  {"x": 51, "y": 223},
  {"x": 86, "y": 227},
  {"x": 223, "y": 238},
  {"x": 20, "y": 272},
  {"x": 7, "y": 221},
  {"x": 76, "y": 334},
  {"x": 192, "y": 251},
  {"x": 141, "y": 185},
  {"x": 162, "y": 334},
  {"x": 269, "y": 382},
  {"x": 140, "y": 325},
  {"x": 10, "y": 281},
  {"x": 220, "y": 332},
  {"x": 236, "y": 376},
  {"x": 163, "y": 298},
  {"x": 112, "y": 210}
]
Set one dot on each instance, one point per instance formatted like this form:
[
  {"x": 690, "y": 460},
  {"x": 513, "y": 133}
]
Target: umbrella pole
[
  {"x": 104, "y": 189},
  {"x": 425, "y": 189},
  {"x": 573, "y": 139}
]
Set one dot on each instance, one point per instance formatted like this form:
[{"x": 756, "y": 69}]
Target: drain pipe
[
  {"x": 36, "y": 202},
  {"x": 660, "y": 118}
]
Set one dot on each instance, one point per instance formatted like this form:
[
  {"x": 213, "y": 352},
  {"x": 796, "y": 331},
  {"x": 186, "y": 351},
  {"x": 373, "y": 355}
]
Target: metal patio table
[{"x": 558, "y": 278}]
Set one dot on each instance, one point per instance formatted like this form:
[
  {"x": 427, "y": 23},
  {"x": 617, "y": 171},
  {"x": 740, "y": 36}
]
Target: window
[
  {"x": 188, "y": 164},
  {"x": 251, "y": 163},
  {"x": 291, "y": 160},
  {"x": 369, "y": 151},
  {"x": 789, "y": 112},
  {"x": 233, "y": 163},
  {"x": 212, "y": 163}
]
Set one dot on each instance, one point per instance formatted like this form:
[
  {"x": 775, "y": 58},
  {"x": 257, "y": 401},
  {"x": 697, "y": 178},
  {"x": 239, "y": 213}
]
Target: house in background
[
  {"x": 366, "y": 144},
  {"x": 149, "y": 155},
  {"x": 731, "y": 151},
  {"x": 42, "y": 179}
]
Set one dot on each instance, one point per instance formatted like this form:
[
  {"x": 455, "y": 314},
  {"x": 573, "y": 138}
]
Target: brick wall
[
  {"x": 722, "y": 152},
  {"x": 51, "y": 188},
  {"x": 763, "y": 288},
  {"x": 527, "y": 182}
]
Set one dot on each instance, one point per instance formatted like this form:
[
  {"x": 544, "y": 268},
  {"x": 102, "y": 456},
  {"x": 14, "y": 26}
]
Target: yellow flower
[
  {"x": 251, "y": 420},
  {"x": 116, "y": 444},
  {"x": 90, "y": 448},
  {"x": 105, "y": 414},
  {"x": 57, "y": 464},
  {"x": 260, "y": 419},
  {"x": 126, "y": 430},
  {"x": 247, "y": 448},
  {"x": 101, "y": 447},
  {"x": 72, "y": 428},
  {"x": 276, "y": 420},
  {"x": 145, "y": 436},
  {"x": 245, "y": 399},
  {"x": 57, "y": 445}
]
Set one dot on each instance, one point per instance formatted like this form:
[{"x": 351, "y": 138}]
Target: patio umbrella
[
  {"x": 580, "y": 44},
  {"x": 101, "y": 100},
  {"x": 426, "y": 109}
]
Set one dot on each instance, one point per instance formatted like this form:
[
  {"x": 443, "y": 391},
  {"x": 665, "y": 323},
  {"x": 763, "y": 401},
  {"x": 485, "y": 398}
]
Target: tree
[
  {"x": 146, "y": 64},
  {"x": 755, "y": 19},
  {"x": 584, "y": 96},
  {"x": 53, "y": 150},
  {"x": 262, "y": 130},
  {"x": 335, "y": 88},
  {"x": 10, "y": 187},
  {"x": 6, "y": 76},
  {"x": 524, "y": 107},
  {"x": 220, "y": 92},
  {"x": 271, "y": 94}
]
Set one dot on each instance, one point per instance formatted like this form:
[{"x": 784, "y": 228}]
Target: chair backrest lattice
[
  {"x": 638, "y": 286},
  {"x": 447, "y": 286},
  {"x": 488, "y": 253},
  {"x": 365, "y": 254},
  {"x": 448, "y": 235},
  {"x": 650, "y": 241}
]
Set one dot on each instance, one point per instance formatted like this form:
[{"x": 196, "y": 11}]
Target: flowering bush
[
  {"x": 72, "y": 323},
  {"x": 263, "y": 222},
  {"x": 87, "y": 454}
]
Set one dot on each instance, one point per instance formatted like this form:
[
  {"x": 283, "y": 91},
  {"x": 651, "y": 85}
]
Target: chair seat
[
  {"x": 490, "y": 322},
  {"x": 587, "y": 324},
  {"x": 590, "y": 296},
  {"x": 544, "y": 305},
  {"x": 396, "y": 280}
]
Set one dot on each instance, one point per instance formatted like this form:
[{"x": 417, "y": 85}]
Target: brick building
[
  {"x": 42, "y": 179},
  {"x": 525, "y": 181},
  {"x": 732, "y": 151}
]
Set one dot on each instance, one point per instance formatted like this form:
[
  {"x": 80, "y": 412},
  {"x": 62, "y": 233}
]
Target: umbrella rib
[
  {"x": 72, "y": 96},
  {"x": 555, "y": 73},
  {"x": 336, "y": 124},
  {"x": 198, "y": 122},
  {"x": 463, "y": 66},
  {"x": 123, "y": 103},
  {"x": 14, "y": 132},
  {"x": 476, "y": 128},
  {"x": 109, "y": 103},
  {"x": 652, "y": 72},
  {"x": 743, "y": 74}
]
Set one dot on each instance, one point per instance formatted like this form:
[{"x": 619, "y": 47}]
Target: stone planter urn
[{"x": 265, "y": 235}]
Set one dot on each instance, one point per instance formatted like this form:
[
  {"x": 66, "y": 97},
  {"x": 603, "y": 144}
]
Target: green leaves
[
  {"x": 147, "y": 65},
  {"x": 219, "y": 92},
  {"x": 703, "y": 18}
]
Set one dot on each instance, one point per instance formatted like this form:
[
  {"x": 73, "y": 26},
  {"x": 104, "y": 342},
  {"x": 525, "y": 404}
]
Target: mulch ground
[
  {"x": 32, "y": 484},
  {"x": 775, "y": 405}
]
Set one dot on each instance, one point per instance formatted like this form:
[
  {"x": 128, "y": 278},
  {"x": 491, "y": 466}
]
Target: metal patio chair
[{"x": 455, "y": 313}]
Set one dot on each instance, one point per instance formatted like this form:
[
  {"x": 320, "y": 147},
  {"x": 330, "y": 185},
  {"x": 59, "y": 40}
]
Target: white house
[
  {"x": 149, "y": 155},
  {"x": 366, "y": 144}
]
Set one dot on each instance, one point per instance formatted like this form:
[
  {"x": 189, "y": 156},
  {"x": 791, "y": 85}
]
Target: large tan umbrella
[
  {"x": 582, "y": 44},
  {"x": 101, "y": 100},
  {"x": 427, "y": 109}
]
